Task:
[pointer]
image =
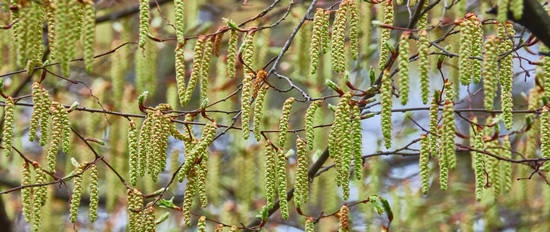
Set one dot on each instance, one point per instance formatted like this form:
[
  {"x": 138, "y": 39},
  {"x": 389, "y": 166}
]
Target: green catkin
[
  {"x": 283, "y": 122},
  {"x": 545, "y": 135},
  {"x": 516, "y": 7},
  {"x": 40, "y": 117},
  {"x": 247, "y": 52},
  {"x": 75, "y": 197},
  {"x": 403, "y": 61},
  {"x": 423, "y": 162},
  {"x": 205, "y": 66},
  {"x": 281, "y": 183},
  {"x": 258, "y": 112},
  {"x": 144, "y": 143},
  {"x": 502, "y": 10},
  {"x": 354, "y": 29},
  {"x": 88, "y": 33},
  {"x": 301, "y": 183},
  {"x": 385, "y": 36},
  {"x": 325, "y": 35},
  {"x": 246, "y": 98},
  {"x": 506, "y": 75},
  {"x": 135, "y": 202},
  {"x": 506, "y": 167},
  {"x": 476, "y": 41},
  {"x": 148, "y": 217},
  {"x": 343, "y": 215},
  {"x": 143, "y": 22},
  {"x": 232, "y": 53},
  {"x": 208, "y": 135},
  {"x": 133, "y": 153},
  {"x": 196, "y": 71},
  {"x": 338, "y": 38},
  {"x": 490, "y": 71},
  {"x": 308, "y": 121},
  {"x": 423, "y": 45},
  {"x": 8, "y": 126},
  {"x": 476, "y": 141},
  {"x": 57, "y": 133},
  {"x": 531, "y": 143},
  {"x": 27, "y": 193},
  {"x": 386, "y": 102},
  {"x": 339, "y": 145},
  {"x": 434, "y": 113},
  {"x": 202, "y": 173},
  {"x": 310, "y": 225},
  {"x": 33, "y": 43},
  {"x": 40, "y": 197},
  {"x": 319, "y": 23},
  {"x": 449, "y": 95},
  {"x": 447, "y": 142},
  {"x": 179, "y": 15},
  {"x": 270, "y": 174},
  {"x": 201, "y": 224},
  {"x": 465, "y": 50},
  {"x": 180, "y": 72},
  {"x": 189, "y": 193},
  {"x": 94, "y": 192},
  {"x": 357, "y": 147}
]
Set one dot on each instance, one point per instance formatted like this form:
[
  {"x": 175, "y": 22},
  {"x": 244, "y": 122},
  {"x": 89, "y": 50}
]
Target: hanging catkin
[
  {"x": 283, "y": 122},
  {"x": 385, "y": 36},
  {"x": 386, "y": 102},
  {"x": 258, "y": 112},
  {"x": 403, "y": 61},
  {"x": 423, "y": 45},
  {"x": 423, "y": 162},
  {"x": 246, "y": 99},
  {"x": 506, "y": 75},
  {"x": 490, "y": 71},
  {"x": 320, "y": 22},
  {"x": 301, "y": 183},
  {"x": 338, "y": 38},
  {"x": 476, "y": 141},
  {"x": 232, "y": 53},
  {"x": 8, "y": 126},
  {"x": 179, "y": 14},
  {"x": 88, "y": 33}
]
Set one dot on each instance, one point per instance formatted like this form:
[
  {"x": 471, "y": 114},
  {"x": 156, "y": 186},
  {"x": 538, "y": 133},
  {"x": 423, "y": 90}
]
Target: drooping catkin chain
[
  {"x": 490, "y": 71},
  {"x": 281, "y": 182},
  {"x": 232, "y": 53},
  {"x": 258, "y": 112},
  {"x": 447, "y": 157},
  {"x": 143, "y": 22},
  {"x": 8, "y": 126},
  {"x": 93, "y": 173},
  {"x": 545, "y": 135},
  {"x": 423, "y": 45},
  {"x": 339, "y": 143},
  {"x": 357, "y": 146},
  {"x": 40, "y": 196},
  {"x": 465, "y": 50},
  {"x": 476, "y": 141},
  {"x": 88, "y": 33},
  {"x": 246, "y": 99},
  {"x": 40, "y": 117},
  {"x": 133, "y": 152},
  {"x": 59, "y": 136},
  {"x": 343, "y": 215},
  {"x": 403, "y": 63},
  {"x": 196, "y": 72},
  {"x": 386, "y": 102},
  {"x": 339, "y": 37},
  {"x": 320, "y": 24},
  {"x": 75, "y": 197},
  {"x": 423, "y": 163},
  {"x": 385, "y": 36},
  {"x": 135, "y": 203},
  {"x": 301, "y": 183},
  {"x": 506, "y": 75},
  {"x": 283, "y": 122},
  {"x": 308, "y": 121},
  {"x": 270, "y": 174},
  {"x": 179, "y": 15}
]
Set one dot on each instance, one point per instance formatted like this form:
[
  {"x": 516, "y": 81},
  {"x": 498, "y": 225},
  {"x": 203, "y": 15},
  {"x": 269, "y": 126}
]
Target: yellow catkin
[
  {"x": 75, "y": 197},
  {"x": 133, "y": 152},
  {"x": 354, "y": 29},
  {"x": 403, "y": 61},
  {"x": 423, "y": 45},
  {"x": 308, "y": 121},
  {"x": 258, "y": 112},
  {"x": 180, "y": 72},
  {"x": 319, "y": 23},
  {"x": 301, "y": 183},
  {"x": 270, "y": 174},
  {"x": 143, "y": 22},
  {"x": 506, "y": 74},
  {"x": 357, "y": 147},
  {"x": 94, "y": 192},
  {"x": 135, "y": 203},
  {"x": 465, "y": 50},
  {"x": 545, "y": 135},
  {"x": 27, "y": 193},
  {"x": 196, "y": 71},
  {"x": 179, "y": 14},
  {"x": 281, "y": 183},
  {"x": 423, "y": 162},
  {"x": 345, "y": 224}
]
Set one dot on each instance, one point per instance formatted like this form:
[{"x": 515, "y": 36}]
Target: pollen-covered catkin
[
  {"x": 345, "y": 224},
  {"x": 310, "y": 225},
  {"x": 258, "y": 112},
  {"x": 506, "y": 167},
  {"x": 94, "y": 192},
  {"x": 434, "y": 118},
  {"x": 465, "y": 50},
  {"x": 386, "y": 102},
  {"x": 75, "y": 197},
  {"x": 403, "y": 61},
  {"x": 423, "y": 162},
  {"x": 148, "y": 218},
  {"x": 205, "y": 66},
  {"x": 9, "y": 125},
  {"x": 201, "y": 224},
  {"x": 232, "y": 53},
  {"x": 423, "y": 45},
  {"x": 301, "y": 183},
  {"x": 246, "y": 99},
  {"x": 247, "y": 52},
  {"x": 338, "y": 38},
  {"x": 57, "y": 133},
  {"x": 476, "y": 41},
  {"x": 135, "y": 202},
  {"x": 502, "y": 10},
  {"x": 447, "y": 148},
  {"x": 27, "y": 193},
  {"x": 180, "y": 72},
  {"x": 354, "y": 29},
  {"x": 40, "y": 117},
  {"x": 490, "y": 71},
  {"x": 283, "y": 122},
  {"x": 308, "y": 121}
]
